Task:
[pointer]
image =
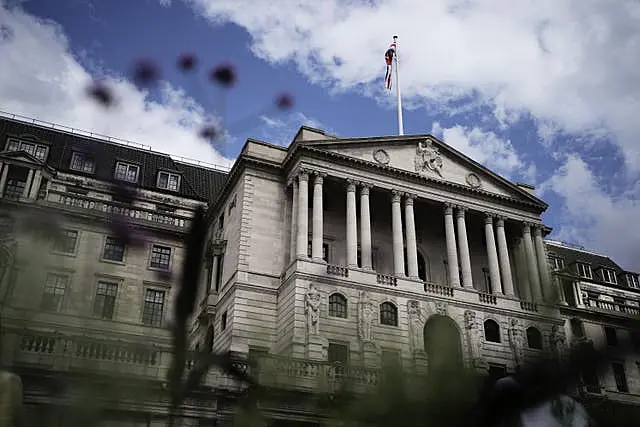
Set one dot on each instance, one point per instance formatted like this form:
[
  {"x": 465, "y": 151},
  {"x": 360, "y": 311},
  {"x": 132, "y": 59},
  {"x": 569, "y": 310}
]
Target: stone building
[{"x": 326, "y": 253}]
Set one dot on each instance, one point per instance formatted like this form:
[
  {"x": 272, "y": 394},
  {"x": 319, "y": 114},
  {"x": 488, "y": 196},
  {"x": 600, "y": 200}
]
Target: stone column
[
  {"x": 534, "y": 277},
  {"x": 214, "y": 274},
  {"x": 412, "y": 244},
  {"x": 452, "y": 251},
  {"x": 303, "y": 215},
  {"x": 463, "y": 245},
  {"x": 25, "y": 192},
  {"x": 543, "y": 264},
  {"x": 3, "y": 178},
  {"x": 503, "y": 255},
  {"x": 352, "y": 232},
  {"x": 35, "y": 186},
  {"x": 317, "y": 221},
  {"x": 365, "y": 227},
  {"x": 492, "y": 255},
  {"x": 294, "y": 220},
  {"x": 398, "y": 241}
]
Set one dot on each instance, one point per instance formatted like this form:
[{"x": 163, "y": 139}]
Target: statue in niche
[
  {"x": 516, "y": 342},
  {"x": 557, "y": 342},
  {"x": 416, "y": 322},
  {"x": 428, "y": 158},
  {"x": 312, "y": 309},
  {"x": 367, "y": 314},
  {"x": 475, "y": 335}
]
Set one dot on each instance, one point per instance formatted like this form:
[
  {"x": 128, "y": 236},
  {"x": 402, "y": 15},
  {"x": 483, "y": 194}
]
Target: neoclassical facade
[{"x": 326, "y": 258}]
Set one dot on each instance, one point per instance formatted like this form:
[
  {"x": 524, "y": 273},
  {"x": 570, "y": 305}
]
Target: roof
[
  {"x": 198, "y": 182},
  {"x": 572, "y": 254}
]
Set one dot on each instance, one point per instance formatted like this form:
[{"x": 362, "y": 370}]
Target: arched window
[
  {"x": 534, "y": 338},
  {"x": 491, "y": 331},
  {"x": 337, "y": 306},
  {"x": 388, "y": 314}
]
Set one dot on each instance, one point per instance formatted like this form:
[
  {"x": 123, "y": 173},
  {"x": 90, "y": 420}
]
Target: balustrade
[
  {"x": 612, "y": 306},
  {"x": 116, "y": 208},
  {"x": 337, "y": 270},
  {"x": 432, "y": 288},
  {"x": 487, "y": 298}
]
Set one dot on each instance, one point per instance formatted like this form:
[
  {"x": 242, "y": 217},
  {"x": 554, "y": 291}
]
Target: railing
[
  {"x": 612, "y": 306},
  {"x": 529, "y": 306},
  {"x": 116, "y": 208},
  {"x": 386, "y": 279},
  {"x": 337, "y": 270},
  {"x": 487, "y": 298},
  {"x": 60, "y": 353},
  {"x": 432, "y": 288}
]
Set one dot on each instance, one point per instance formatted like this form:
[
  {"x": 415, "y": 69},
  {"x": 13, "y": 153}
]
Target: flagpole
[{"x": 400, "y": 125}]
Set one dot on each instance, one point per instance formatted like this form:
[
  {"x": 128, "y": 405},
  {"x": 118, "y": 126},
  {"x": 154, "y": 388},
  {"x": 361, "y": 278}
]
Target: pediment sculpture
[{"x": 428, "y": 158}]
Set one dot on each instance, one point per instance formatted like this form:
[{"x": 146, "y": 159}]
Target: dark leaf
[
  {"x": 187, "y": 61},
  {"x": 145, "y": 72},
  {"x": 284, "y": 102},
  {"x": 223, "y": 75},
  {"x": 100, "y": 93}
]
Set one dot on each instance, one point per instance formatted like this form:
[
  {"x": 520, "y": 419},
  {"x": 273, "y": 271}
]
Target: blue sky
[{"x": 547, "y": 94}]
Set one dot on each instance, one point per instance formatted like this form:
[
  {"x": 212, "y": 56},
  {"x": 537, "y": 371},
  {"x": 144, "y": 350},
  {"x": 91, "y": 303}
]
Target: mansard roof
[{"x": 197, "y": 182}]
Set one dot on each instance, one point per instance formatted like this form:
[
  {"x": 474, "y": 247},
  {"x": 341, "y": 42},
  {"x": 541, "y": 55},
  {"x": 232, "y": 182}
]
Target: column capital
[
  {"x": 365, "y": 188},
  {"x": 318, "y": 177},
  {"x": 500, "y": 221},
  {"x": 409, "y": 198},
  {"x": 488, "y": 218},
  {"x": 526, "y": 227},
  {"x": 396, "y": 196},
  {"x": 461, "y": 211},
  {"x": 351, "y": 185},
  {"x": 303, "y": 174},
  {"x": 448, "y": 208}
]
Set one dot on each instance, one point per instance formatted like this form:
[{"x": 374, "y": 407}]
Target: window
[
  {"x": 153, "y": 308},
  {"x": 160, "y": 257},
  {"x": 390, "y": 358},
  {"x": 219, "y": 267},
  {"x": 325, "y": 252},
  {"x": 66, "y": 242},
  {"x": 584, "y": 270},
  {"x": 388, "y": 314},
  {"x": 338, "y": 353},
  {"x": 611, "y": 335},
  {"x": 105, "y": 301},
  {"x": 223, "y": 321},
  {"x": 590, "y": 380},
  {"x": 557, "y": 263},
  {"x": 39, "y": 151},
  {"x": 168, "y": 181},
  {"x": 337, "y": 306},
  {"x": 491, "y": 331},
  {"x": 620, "y": 377},
  {"x": 487, "y": 279},
  {"x": 42, "y": 191},
  {"x": 113, "y": 249},
  {"x": 221, "y": 221},
  {"x": 632, "y": 281},
  {"x": 16, "y": 182},
  {"x": 54, "y": 290},
  {"x": 609, "y": 276},
  {"x": 534, "y": 338},
  {"x": 82, "y": 162},
  {"x": 497, "y": 372},
  {"x": 127, "y": 172},
  {"x": 577, "y": 328}
]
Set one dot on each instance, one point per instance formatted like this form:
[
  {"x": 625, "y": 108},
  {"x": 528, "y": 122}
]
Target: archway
[{"x": 442, "y": 344}]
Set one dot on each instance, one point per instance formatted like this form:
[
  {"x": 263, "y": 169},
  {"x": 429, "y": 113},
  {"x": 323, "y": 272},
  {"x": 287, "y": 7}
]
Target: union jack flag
[{"x": 388, "y": 57}]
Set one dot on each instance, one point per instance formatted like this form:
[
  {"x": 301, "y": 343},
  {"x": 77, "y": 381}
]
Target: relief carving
[
  {"x": 516, "y": 342},
  {"x": 428, "y": 159},
  {"x": 416, "y": 325},
  {"x": 367, "y": 314},
  {"x": 312, "y": 309},
  {"x": 557, "y": 342},
  {"x": 441, "y": 308},
  {"x": 475, "y": 336}
]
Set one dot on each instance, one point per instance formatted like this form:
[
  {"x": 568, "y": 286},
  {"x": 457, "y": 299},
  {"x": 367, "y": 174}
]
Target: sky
[{"x": 545, "y": 92}]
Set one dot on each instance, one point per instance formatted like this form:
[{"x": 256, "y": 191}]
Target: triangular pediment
[
  {"x": 20, "y": 156},
  {"x": 428, "y": 157}
]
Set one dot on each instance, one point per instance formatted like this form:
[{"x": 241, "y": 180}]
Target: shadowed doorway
[{"x": 442, "y": 344}]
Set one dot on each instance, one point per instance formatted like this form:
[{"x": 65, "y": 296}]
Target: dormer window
[
  {"x": 609, "y": 276},
  {"x": 556, "y": 263},
  {"x": 632, "y": 281},
  {"x": 127, "y": 172},
  {"x": 168, "y": 181},
  {"x": 39, "y": 151},
  {"x": 82, "y": 162},
  {"x": 584, "y": 270}
]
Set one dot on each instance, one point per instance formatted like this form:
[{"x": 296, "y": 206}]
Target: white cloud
[
  {"x": 41, "y": 78},
  {"x": 486, "y": 148},
  {"x": 597, "y": 220},
  {"x": 281, "y": 130},
  {"x": 568, "y": 62}
]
